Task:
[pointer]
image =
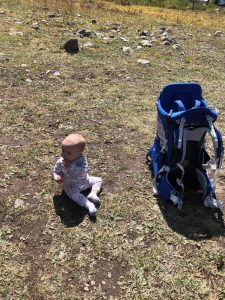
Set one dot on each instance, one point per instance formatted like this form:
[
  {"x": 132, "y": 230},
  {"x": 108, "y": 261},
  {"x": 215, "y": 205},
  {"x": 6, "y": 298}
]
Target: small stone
[
  {"x": 28, "y": 80},
  {"x": 88, "y": 44},
  {"x": 143, "y": 61},
  {"x": 125, "y": 39},
  {"x": 218, "y": 33},
  {"x": 18, "y": 203},
  {"x": 146, "y": 43},
  {"x": 144, "y": 33},
  {"x": 166, "y": 43},
  {"x": 92, "y": 282},
  {"x": 62, "y": 255},
  {"x": 35, "y": 25},
  {"x": 176, "y": 47},
  {"x": 86, "y": 288},
  {"x": 103, "y": 282},
  {"x": 56, "y": 73},
  {"x": 51, "y": 15},
  {"x": 44, "y": 21},
  {"x": 128, "y": 50},
  {"x": 109, "y": 275},
  {"x": 84, "y": 33}
]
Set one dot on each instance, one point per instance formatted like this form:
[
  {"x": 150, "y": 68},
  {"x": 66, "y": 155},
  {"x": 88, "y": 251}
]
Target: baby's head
[{"x": 73, "y": 146}]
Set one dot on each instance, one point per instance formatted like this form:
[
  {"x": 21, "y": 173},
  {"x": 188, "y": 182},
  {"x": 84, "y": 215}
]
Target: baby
[{"x": 71, "y": 171}]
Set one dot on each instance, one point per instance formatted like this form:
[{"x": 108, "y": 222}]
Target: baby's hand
[{"x": 58, "y": 179}]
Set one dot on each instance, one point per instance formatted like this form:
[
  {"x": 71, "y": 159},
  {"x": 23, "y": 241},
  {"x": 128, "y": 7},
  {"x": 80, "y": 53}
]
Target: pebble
[
  {"x": 62, "y": 255},
  {"x": 88, "y": 44},
  {"x": 35, "y": 25},
  {"x": 18, "y": 203},
  {"x": 146, "y": 43},
  {"x": 128, "y": 50},
  {"x": 143, "y": 61},
  {"x": 218, "y": 33},
  {"x": 28, "y": 80}
]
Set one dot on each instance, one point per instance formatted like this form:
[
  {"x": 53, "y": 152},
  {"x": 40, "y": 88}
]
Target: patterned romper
[{"x": 76, "y": 179}]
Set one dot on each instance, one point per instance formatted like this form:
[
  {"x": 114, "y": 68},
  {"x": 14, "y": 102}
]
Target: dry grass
[
  {"x": 189, "y": 17},
  {"x": 139, "y": 248}
]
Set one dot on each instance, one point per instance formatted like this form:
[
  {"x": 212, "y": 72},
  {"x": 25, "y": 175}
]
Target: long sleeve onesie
[{"x": 76, "y": 179}]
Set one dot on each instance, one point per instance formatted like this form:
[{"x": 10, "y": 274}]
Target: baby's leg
[
  {"x": 81, "y": 200},
  {"x": 96, "y": 184}
]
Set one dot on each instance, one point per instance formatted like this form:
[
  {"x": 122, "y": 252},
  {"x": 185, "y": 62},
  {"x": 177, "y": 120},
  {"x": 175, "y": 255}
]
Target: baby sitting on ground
[{"x": 71, "y": 170}]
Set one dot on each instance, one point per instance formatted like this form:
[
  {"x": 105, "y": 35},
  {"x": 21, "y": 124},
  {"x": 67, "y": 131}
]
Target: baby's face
[{"x": 70, "y": 153}]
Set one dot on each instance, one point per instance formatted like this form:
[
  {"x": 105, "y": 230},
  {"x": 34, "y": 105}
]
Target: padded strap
[
  {"x": 178, "y": 106},
  {"x": 197, "y": 104}
]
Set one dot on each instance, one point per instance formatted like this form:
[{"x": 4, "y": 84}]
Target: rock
[
  {"x": 164, "y": 36},
  {"x": 143, "y": 33},
  {"x": 51, "y": 15},
  {"x": 146, "y": 43},
  {"x": 85, "y": 33},
  {"x": 19, "y": 22},
  {"x": 128, "y": 50},
  {"x": 62, "y": 255},
  {"x": 139, "y": 47},
  {"x": 35, "y": 25},
  {"x": 56, "y": 73},
  {"x": 99, "y": 35},
  {"x": 162, "y": 29},
  {"x": 28, "y": 80},
  {"x": 71, "y": 46},
  {"x": 218, "y": 33},
  {"x": 125, "y": 39},
  {"x": 88, "y": 44},
  {"x": 86, "y": 288},
  {"x": 115, "y": 28},
  {"x": 44, "y": 21},
  {"x": 143, "y": 61},
  {"x": 176, "y": 47},
  {"x": 166, "y": 42},
  {"x": 18, "y": 203}
]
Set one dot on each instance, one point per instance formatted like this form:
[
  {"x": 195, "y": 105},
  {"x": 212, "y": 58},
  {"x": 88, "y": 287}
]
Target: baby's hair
[{"x": 75, "y": 140}]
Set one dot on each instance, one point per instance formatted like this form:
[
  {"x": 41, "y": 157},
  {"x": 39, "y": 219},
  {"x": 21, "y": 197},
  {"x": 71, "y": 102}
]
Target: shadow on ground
[
  {"x": 70, "y": 213},
  {"x": 195, "y": 221}
]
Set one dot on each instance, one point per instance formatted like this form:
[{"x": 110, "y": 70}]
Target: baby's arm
[{"x": 58, "y": 174}]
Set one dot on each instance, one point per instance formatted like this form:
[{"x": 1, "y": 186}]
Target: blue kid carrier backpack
[{"x": 178, "y": 157}]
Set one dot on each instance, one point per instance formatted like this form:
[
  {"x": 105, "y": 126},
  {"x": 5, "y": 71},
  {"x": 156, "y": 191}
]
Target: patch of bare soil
[
  {"x": 106, "y": 276},
  {"x": 25, "y": 186},
  {"x": 36, "y": 244}
]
